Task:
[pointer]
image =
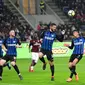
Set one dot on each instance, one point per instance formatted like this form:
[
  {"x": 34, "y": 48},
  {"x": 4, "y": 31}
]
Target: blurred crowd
[
  {"x": 78, "y": 6},
  {"x": 9, "y": 21}
]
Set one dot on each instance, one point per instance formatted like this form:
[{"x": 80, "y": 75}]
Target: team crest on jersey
[
  {"x": 81, "y": 40},
  {"x": 14, "y": 41},
  {"x": 52, "y": 35}
]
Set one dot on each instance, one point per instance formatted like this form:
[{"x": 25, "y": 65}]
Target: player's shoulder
[
  {"x": 46, "y": 30},
  {"x": 82, "y": 37},
  {"x": 15, "y": 38},
  {"x": 6, "y": 38},
  {"x": 1, "y": 40}
]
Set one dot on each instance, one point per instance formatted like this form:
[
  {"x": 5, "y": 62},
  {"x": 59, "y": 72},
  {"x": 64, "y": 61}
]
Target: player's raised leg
[
  {"x": 35, "y": 58},
  {"x": 13, "y": 63},
  {"x": 8, "y": 65}
]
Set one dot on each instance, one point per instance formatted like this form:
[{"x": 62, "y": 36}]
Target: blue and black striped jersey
[
  {"x": 1, "y": 52},
  {"x": 78, "y": 45},
  {"x": 48, "y": 39},
  {"x": 10, "y": 44}
]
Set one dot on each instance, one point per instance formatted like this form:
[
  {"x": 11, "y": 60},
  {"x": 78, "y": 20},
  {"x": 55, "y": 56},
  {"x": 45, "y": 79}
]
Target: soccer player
[
  {"x": 11, "y": 43},
  {"x": 78, "y": 45},
  {"x": 48, "y": 38},
  {"x": 35, "y": 43}
]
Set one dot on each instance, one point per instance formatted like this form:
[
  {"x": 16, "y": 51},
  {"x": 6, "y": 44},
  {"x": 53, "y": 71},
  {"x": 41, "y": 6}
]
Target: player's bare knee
[
  {"x": 13, "y": 63},
  {"x": 73, "y": 64},
  {"x": 40, "y": 55},
  {"x": 2, "y": 62},
  {"x": 70, "y": 65},
  {"x": 51, "y": 63}
]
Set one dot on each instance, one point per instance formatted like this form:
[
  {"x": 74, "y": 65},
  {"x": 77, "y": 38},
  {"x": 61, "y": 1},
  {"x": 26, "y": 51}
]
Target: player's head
[
  {"x": 53, "y": 27},
  {"x": 35, "y": 35},
  {"x": 12, "y": 33},
  {"x": 75, "y": 33}
]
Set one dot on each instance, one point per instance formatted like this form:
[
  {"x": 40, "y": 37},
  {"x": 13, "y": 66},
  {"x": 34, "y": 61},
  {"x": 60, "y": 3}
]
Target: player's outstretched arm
[
  {"x": 60, "y": 37},
  {"x": 30, "y": 47},
  {"x": 4, "y": 48},
  {"x": 18, "y": 46},
  {"x": 69, "y": 46},
  {"x": 66, "y": 45}
]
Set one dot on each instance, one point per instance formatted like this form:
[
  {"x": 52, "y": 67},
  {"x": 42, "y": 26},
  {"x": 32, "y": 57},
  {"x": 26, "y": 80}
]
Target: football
[{"x": 71, "y": 13}]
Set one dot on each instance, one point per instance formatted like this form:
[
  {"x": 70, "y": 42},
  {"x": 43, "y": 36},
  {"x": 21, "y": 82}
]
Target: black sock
[
  {"x": 1, "y": 70},
  {"x": 42, "y": 59},
  {"x": 52, "y": 69},
  {"x": 71, "y": 75},
  {"x": 6, "y": 64},
  {"x": 73, "y": 69},
  {"x": 16, "y": 69},
  {"x": 33, "y": 63}
]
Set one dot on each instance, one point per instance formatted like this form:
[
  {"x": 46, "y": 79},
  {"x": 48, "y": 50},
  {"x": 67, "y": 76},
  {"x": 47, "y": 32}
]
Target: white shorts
[{"x": 35, "y": 56}]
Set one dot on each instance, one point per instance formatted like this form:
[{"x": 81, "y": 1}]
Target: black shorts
[
  {"x": 9, "y": 58},
  {"x": 48, "y": 54},
  {"x": 74, "y": 56}
]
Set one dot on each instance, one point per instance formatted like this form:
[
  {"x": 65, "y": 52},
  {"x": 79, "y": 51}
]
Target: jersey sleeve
[
  {"x": 31, "y": 43},
  {"x": 42, "y": 34},
  {"x": 18, "y": 41},
  {"x": 4, "y": 42},
  {"x": 60, "y": 37},
  {"x": 84, "y": 39},
  {"x": 72, "y": 45}
]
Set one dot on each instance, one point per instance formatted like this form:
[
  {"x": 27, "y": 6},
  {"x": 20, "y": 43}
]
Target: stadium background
[{"x": 25, "y": 17}]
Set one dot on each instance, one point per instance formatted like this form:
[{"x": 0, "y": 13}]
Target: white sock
[{"x": 32, "y": 67}]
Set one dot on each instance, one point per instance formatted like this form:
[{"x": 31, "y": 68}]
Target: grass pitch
[{"x": 40, "y": 77}]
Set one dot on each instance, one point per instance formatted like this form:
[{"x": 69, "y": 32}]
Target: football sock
[
  {"x": 73, "y": 70},
  {"x": 5, "y": 65},
  {"x": 52, "y": 69},
  {"x": 71, "y": 75},
  {"x": 42, "y": 59},
  {"x": 16, "y": 69},
  {"x": 32, "y": 67},
  {"x": 1, "y": 70},
  {"x": 33, "y": 63}
]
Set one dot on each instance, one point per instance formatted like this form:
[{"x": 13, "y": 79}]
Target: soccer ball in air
[{"x": 71, "y": 13}]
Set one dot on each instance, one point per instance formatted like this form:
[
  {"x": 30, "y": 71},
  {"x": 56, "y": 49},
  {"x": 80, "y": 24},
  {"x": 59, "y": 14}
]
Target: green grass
[{"x": 40, "y": 77}]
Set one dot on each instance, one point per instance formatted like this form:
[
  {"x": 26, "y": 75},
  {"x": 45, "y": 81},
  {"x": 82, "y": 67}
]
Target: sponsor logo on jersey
[
  {"x": 14, "y": 41},
  {"x": 78, "y": 43},
  {"x": 49, "y": 38}
]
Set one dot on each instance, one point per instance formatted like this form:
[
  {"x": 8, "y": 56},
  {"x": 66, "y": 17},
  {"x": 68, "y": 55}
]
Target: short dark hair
[
  {"x": 51, "y": 24},
  {"x": 75, "y": 31}
]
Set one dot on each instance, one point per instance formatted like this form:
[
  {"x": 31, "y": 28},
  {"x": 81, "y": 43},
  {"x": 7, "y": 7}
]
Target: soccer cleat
[
  {"x": 52, "y": 78},
  {"x": 9, "y": 66},
  {"x": 31, "y": 70},
  {"x": 0, "y": 78},
  {"x": 21, "y": 78},
  {"x": 69, "y": 80},
  {"x": 76, "y": 77},
  {"x": 44, "y": 66}
]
